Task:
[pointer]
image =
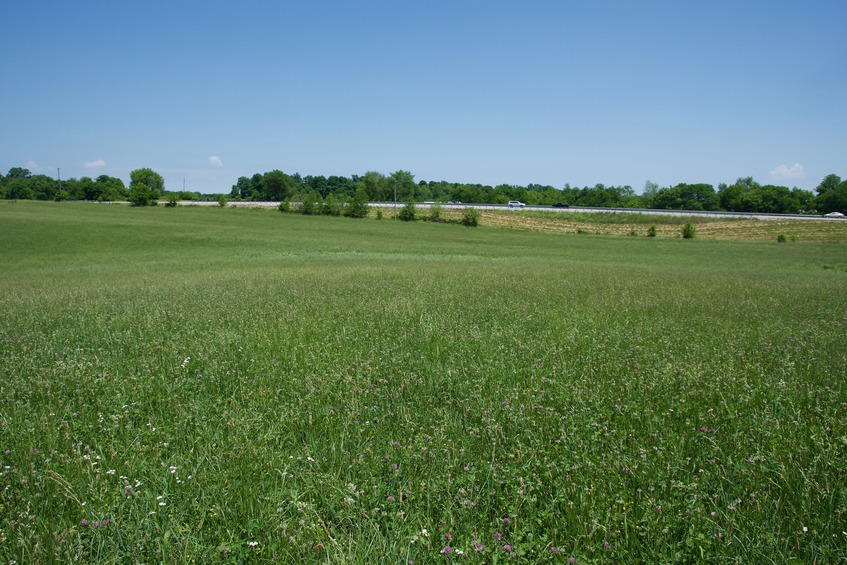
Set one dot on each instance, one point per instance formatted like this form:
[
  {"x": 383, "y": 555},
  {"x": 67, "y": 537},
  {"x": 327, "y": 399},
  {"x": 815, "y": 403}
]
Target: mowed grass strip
[{"x": 227, "y": 385}]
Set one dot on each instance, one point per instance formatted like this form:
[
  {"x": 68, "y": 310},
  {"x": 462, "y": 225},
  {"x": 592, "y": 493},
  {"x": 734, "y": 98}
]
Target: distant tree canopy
[{"x": 146, "y": 185}]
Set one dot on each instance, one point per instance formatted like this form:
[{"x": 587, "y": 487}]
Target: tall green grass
[{"x": 221, "y": 385}]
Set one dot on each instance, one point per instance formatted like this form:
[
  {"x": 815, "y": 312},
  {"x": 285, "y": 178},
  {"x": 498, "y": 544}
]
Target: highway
[{"x": 527, "y": 208}]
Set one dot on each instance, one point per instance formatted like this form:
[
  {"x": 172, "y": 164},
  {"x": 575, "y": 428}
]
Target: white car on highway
[
  {"x": 834, "y": 215},
  {"x": 516, "y": 204}
]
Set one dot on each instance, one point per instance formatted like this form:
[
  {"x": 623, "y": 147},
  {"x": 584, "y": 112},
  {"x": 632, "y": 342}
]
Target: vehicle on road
[
  {"x": 516, "y": 204},
  {"x": 834, "y": 215},
  {"x": 561, "y": 205}
]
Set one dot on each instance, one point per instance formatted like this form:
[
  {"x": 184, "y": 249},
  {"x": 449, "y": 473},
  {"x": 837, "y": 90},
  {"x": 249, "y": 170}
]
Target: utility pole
[{"x": 395, "y": 198}]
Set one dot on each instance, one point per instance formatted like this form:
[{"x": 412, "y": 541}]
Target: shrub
[
  {"x": 284, "y": 206},
  {"x": 651, "y": 231},
  {"x": 434, "y": 213},
  {"x": 470, "y": 217},
  {"x": 140, "y": 195},
  {"x": 310, "y": 204},
  {"x": 781, "y": 238},
  {"x": 688, "y": 231},
  {"x": 409, "y": 213},
  {"x": 379, "y": 213},
  {"x": 221, "y": 200},
  {"x": 171, "y": 203},
  {"x": 331, "y": 206},
  {"x": 358, "y": 207}
]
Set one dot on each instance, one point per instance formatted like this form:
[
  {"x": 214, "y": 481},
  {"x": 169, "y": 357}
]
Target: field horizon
[{"x": 239, "y": 386}]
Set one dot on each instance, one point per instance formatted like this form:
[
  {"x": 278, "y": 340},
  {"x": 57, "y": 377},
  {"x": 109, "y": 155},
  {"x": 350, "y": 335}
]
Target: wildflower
[
  {"x": 553, "y": 549},
  {"x": 448, "y": 536},
  {"x": 104, "y": 522},
  {"x": 390, "y": 498},
  {"x": 447, "y": 550},
  {"x": 84, "y": 522},
  {"x": 507, "y": 547},
  {"x": 606, "y": 545},
  {"x": 571, "y": 559},
  {"x": 252, "y": 543},
  {"x": 506, "y": 521},
  {"x": 172, "y": 469},
  {"x": 467, "y": 502},
  {"x": 496, "y": 536},
  {"x": 467, "y": 468},
  {"x": 95, "y": 525}
]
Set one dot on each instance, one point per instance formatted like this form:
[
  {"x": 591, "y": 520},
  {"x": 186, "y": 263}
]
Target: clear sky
[{"x": 517, "y": 92}]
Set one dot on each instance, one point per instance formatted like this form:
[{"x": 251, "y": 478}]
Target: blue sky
[{"x": 517, "y": 92}]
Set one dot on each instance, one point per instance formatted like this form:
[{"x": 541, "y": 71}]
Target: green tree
[
  {"x": 405, "y": 183},
  {"x": 358, "y": 206},
  {"x": 833, "y": 200},
  {"x": 376, "y": 185},
  {"x": 153, "y": 181},
  {"x": 110, "y": 188},
  {"x": 42, "y": 186},
  {"x": 141, "y": 195},
  {"x": 18, "y": 173},
  {"x": 650, "y": 190},
  {"x": 828, "y": 183},
  {"x": 243, "y": 189},
  {"x": 18, "y": 189},
  {"x": 276, "y": 185}
]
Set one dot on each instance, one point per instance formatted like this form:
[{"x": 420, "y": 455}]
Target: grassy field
[{"x": 244, "y": 386}]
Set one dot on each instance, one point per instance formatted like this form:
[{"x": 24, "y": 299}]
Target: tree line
[{"x": 148, "y": 187}]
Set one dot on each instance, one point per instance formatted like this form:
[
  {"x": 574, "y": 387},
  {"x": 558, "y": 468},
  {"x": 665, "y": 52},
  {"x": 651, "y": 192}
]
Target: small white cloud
[
  {"x": 31, "y": 165},
  {"x": 784, "y": 172},
  {"x": 98, "y": 164},
  {"x": 216, "y": 161}
]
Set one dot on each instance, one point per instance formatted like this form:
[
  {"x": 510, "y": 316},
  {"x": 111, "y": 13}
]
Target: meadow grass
[{"x": 244, "y": 386}]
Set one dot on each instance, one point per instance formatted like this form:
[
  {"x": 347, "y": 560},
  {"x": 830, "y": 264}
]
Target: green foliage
[
  {"x": 310, "y": 204},
  {"x": 331, "y": 206},
  {"x": 221, "y": 200},
  {"x": 284, "y": 206},
  {"x": 404, "y": 183},
  {"x": 781, "y": 238},
  {"x": 140, "y": 195},
  {"x": 833, "y": 199},
  {"x": 171, "y": 202},
  {"x": 435, "y": 213},
  {"x": 651, "y": 231},
  {"x": 275, "y": 185},
  {"x": 408, "y": 213},
  {"x": 470, "y": 217},
  {"x": 828, "y": 183},
  {"x": 689, "y": 231},
  {"x": 358, "y": 207},
  {"x": 686, "y": 197},
  {"x": 152, "y": 181},
  {"x": 379, "y": 213}
]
